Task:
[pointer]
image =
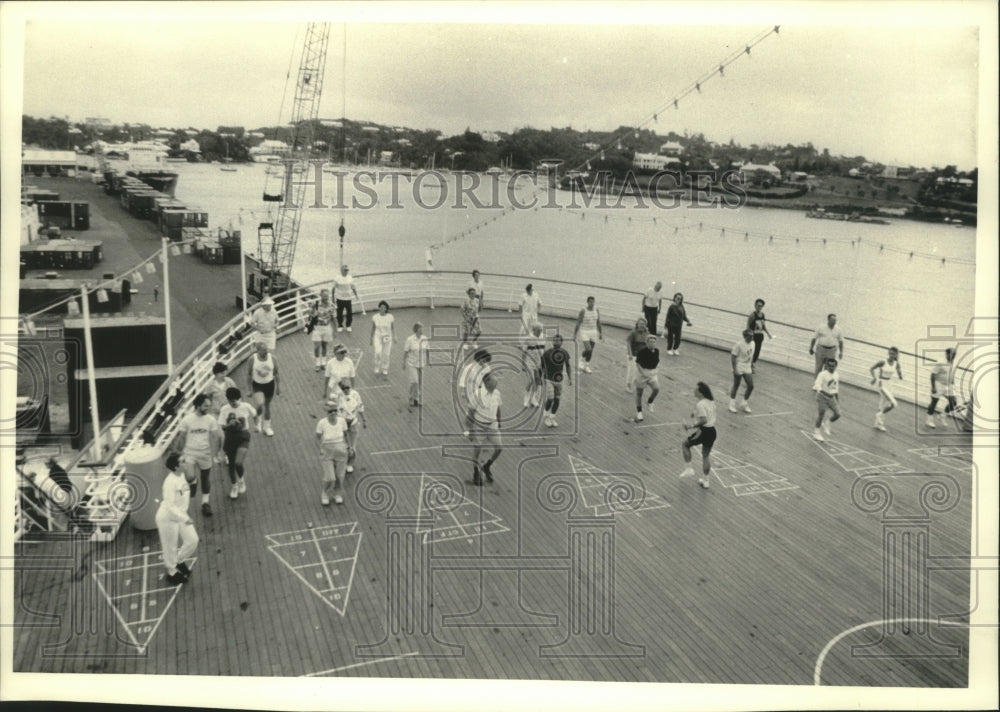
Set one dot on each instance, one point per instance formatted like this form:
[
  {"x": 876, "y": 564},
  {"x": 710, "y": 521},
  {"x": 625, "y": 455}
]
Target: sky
[{"x": 896, "y": 82}]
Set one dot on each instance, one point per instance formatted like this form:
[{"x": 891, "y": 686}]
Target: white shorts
[
  {"x": 885, "y": 395},
  {"x": 589, "y": 336},
  {"x": 322, "y": 333}
]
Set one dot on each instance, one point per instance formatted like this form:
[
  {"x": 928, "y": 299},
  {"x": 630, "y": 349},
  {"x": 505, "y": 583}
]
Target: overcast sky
[{"x": 853, "y": 81}]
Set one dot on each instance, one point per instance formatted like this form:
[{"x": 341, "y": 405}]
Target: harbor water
[{"x": 722, "y": 257}]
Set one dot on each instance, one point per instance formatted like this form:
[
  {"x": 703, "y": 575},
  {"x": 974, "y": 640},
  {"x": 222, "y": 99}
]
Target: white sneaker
[
  {"x": 826, "y": 427},
  {"x": 587, "y": 369},
  {"x": 348, "y": 330},
  {"x": 579, "y": 366},
  {"x": 527, "y": 400},
  {"x": 324, "y": 499},
  {"x": 338, "y": 498},
  {"x": 553, "y": 423},
  {"x": 638, "y": 417},
  {"x": 817, "y": 436},
  {"x": 234, "y": 492},
  {"x": 340, "y": 329},
  {"x": 241, "y": 485},
  {"x": 350, "y": 468},
  {"x": 687, "y": 472},
  {"x": 880, "y": 426},
  {"x": 732, "y": 406},
  {"x": 930, "y": 422},
  {"x": 267, "y": 429},
  {"x": 746, "y": 407},
  {"x": 703, "y": 482},
  {"x": 535, "y": 400},
  {"x": 651, "y": 407}
]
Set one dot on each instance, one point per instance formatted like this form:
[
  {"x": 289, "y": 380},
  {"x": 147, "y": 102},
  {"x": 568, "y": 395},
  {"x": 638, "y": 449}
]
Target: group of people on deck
[{"x": 219, "y": 428}]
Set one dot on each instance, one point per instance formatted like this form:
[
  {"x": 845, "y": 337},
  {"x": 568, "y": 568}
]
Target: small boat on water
[
  {"x": 228, "y": 169},
  {"x": 821, "y": 214}
]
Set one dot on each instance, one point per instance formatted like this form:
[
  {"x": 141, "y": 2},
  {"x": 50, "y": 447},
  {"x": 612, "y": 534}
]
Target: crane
[{"x": 276, "y": 238}]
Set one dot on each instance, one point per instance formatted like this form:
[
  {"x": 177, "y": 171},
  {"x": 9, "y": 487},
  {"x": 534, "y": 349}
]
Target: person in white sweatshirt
[{"x": 177, "y": 533}]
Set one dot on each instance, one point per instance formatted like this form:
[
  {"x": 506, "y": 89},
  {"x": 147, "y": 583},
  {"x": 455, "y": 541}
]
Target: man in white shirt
[
  {"x": 828, "y": 342},
  {"x": 483, "y": 426},
  {"x": 529, "y": 305},
  {"x": 651, "y": 303},
  {"x": 827, "y": 387},
  {"x": 199, "y": 440},
  {"x": 742, "y": 360},
  {"x": 343, "y": 288},
  {"x": 414, "y": 360}
]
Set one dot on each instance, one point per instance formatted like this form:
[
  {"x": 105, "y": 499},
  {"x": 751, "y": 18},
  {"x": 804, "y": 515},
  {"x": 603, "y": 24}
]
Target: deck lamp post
[{"x": 341, "y": 231}]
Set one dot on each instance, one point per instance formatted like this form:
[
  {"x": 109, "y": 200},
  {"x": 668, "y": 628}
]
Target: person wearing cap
[
  {"x": 332, "y": 441},
  {"x": 263, "y": 375},
  {"x": 337, "y": 369},
  {"x": 343, "y": 288},
  {"x": 351, "y": 410},
  {"x": 199, "y": 440},
  {"x": 741, "y": 357},
  {"x": 414, "y": 360},
  {"x": 265, "y": 323},
  {"x": 178, "y": 537},
  {"x": 529, "y": 305}
]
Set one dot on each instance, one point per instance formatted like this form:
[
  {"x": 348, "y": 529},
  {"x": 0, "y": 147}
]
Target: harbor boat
[
  {"x": 821, "y": 214},
  {"x": 228, "y": 169}
]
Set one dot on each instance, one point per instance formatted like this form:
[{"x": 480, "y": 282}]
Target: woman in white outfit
[
  {"x": 178, "y": 537},
  {"x": 383, "y": 337}
]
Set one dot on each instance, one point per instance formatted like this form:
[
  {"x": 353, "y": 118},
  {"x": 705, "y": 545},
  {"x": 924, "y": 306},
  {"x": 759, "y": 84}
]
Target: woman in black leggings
[{"x": 676, "y": 317}]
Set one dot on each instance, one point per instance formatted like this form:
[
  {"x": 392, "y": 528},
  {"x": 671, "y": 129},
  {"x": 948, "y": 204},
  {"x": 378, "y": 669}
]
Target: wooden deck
[{"x": 589, "y": 559}]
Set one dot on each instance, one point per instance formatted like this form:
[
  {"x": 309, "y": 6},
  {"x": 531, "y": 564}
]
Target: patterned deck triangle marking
[
  {"x": 593, "y": 483},
  {"x": 958, "y": 459},
  {"x": 323, "y": 558},
  {"x": 464, "y": 521},
  {"x": 744, "y": 478},
  {"x": 137, "y": 590},
  {"x": 853, "y": 459}
]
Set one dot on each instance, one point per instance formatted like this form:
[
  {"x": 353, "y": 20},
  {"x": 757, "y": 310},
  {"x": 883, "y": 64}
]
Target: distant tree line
[{"x": 360, "y": 142}]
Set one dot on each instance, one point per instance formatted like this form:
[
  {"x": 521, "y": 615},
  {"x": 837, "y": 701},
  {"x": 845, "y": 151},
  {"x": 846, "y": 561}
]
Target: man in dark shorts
[
  {"x": 647, "y": 360},
  {"x": 554, "y": 361}
]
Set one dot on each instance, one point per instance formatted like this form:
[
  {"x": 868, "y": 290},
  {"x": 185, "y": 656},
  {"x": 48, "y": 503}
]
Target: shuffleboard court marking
[
  {"x": 464, "y": 521},
  {"x": 146, "y": 596},
  {"x": 767, "y": 415},
  {"x": 593, "y": 483},
  {"x": 357, "y": 665},
  {"x": 818, "y": 669},
  {"x": 954, "y": 458},
  {"x": 654, "y": 425},
  {"x": 744, "y": 478},
  {"x": 409, "y": 449},
  {"x": 323, "y": 558},
  {"x": 855, "y": 460}
]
